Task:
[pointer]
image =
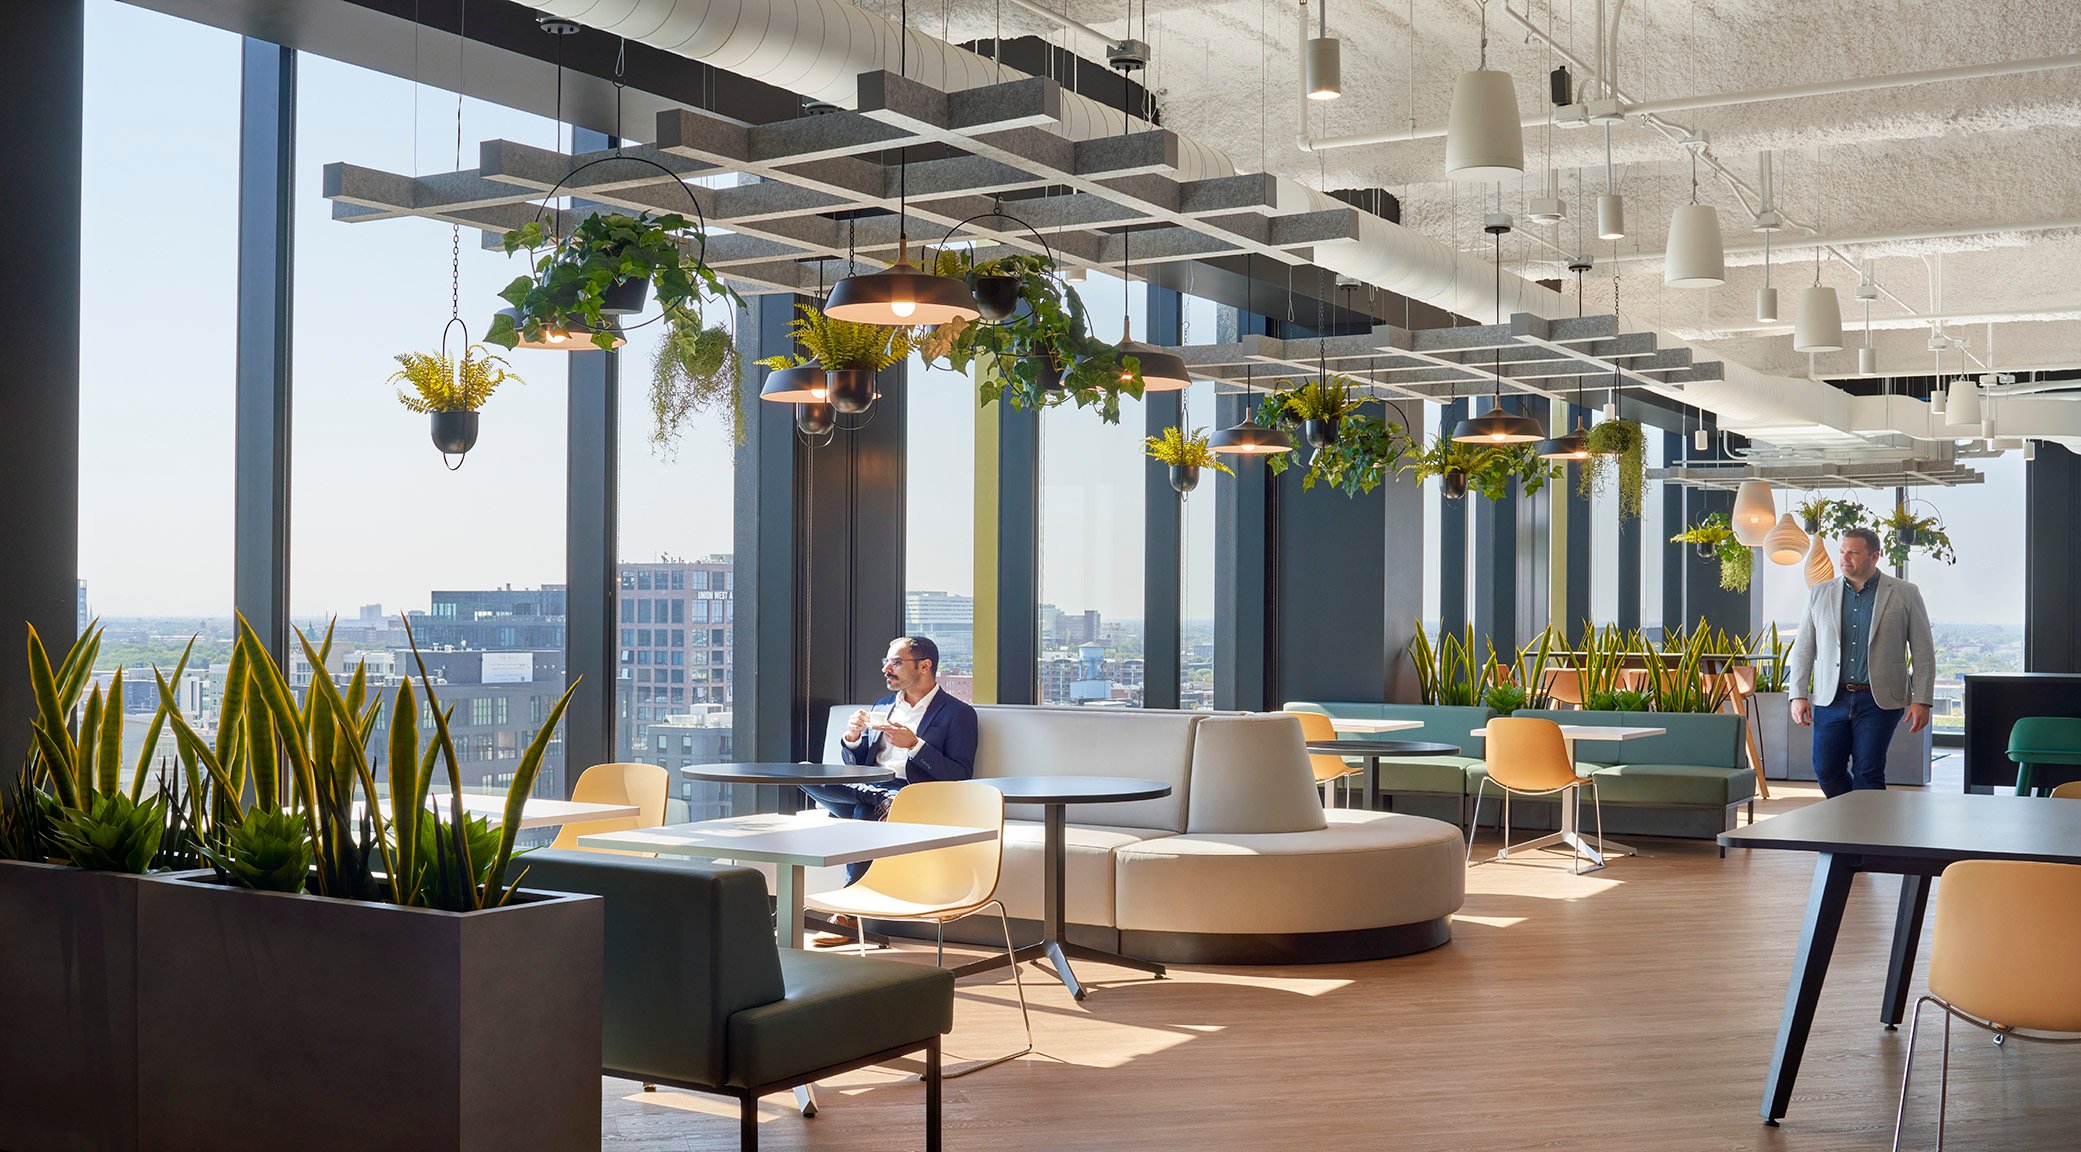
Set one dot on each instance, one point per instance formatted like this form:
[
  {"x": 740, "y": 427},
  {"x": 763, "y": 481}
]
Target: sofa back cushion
[
  {"x": 1442, "y": 724},
  {"x": 1710, "y": 739},
  {"x": 687, "y": 945},
  {"x": 1251, "y": 774},
  {"x": 1143, "y": 744}
]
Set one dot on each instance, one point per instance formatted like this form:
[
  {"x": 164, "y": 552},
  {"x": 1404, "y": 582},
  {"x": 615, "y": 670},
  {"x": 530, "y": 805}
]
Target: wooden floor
[{"x": 1632, "y": 1008}]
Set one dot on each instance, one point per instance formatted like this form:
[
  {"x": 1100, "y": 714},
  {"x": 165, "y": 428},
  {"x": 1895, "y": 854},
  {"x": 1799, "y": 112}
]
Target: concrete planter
[
  {"x": 1907, "y": 757},
  {"x": 273, "y": 1021},
  {"x": 68, "y": 1004},
  {"x": 1771, "y": 713}
]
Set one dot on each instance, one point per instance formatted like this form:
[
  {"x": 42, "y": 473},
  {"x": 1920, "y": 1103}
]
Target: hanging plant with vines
[
  {"x": 1489, "y": 470},
  {"x": 1616, "y": 446},
  {"x": 1904, "y": 532},
  {"x": 1714, "y": 536},
  {"x": 1366, "y": 452}
]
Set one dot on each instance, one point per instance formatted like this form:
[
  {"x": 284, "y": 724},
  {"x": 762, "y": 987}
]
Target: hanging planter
[
  {"x": 1046, "y": 370},
  {"x": 1453, "y": 485},
  {"x": 1186, "y": 454},
  {"x": 1616, "y": 446},
  {"x": 1320, "y": 433},
  {"x": 846, "y": 352},
  {"x": 450, "y": 397},
  {"x": 1715, "y": 539},
  {"x": 997, "y": 295},
  {"x": 851, "y": 389},
  {"x": 603, "y": 270},
  {"x": 1903, "y": 532},
  {"x": 1490, "y": 471},
  {"x": 696, "y": 369},
  {"x": 815, "y": 419}
]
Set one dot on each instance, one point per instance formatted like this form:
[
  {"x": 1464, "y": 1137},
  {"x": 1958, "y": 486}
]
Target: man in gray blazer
[{"x": 1864, "y": 655}]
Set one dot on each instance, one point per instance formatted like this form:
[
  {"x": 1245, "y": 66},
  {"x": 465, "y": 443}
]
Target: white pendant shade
[
  {"x": 1867, "y": 361},
  {"x": 1484, "y": 136},
  {"x": 1819, "y": 567},
  {"x": 1819, "y": 325},
  {"x": 1611, "y": 216},
  {"x": 1786, "y": 543},
  {"x": 1325, "y": 63},
  {"x": 1766, "y": 304},
  {"x": 1701, "y": 440},
  {"x": 1755, "y": 512},
  {"x": 1695, "y": 258},
  {"x": 1962, "y": 409}
]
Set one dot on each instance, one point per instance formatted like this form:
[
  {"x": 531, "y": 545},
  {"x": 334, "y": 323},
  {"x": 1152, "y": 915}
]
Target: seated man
[{"x": 918, "y": 732}]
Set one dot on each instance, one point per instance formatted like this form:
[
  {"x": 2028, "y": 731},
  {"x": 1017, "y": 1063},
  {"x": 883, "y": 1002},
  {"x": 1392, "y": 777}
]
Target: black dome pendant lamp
[
  {"x": 1574, "y": 444},
  {"x": 1249, "y": 438},
  {"x": 1496, "y": 426}
]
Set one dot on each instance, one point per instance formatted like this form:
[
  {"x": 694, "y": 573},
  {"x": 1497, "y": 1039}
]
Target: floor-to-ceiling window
[
  {"x": 1203, "y": 324},
  {"x": 939, "y": 517},
  {"x": 384, "y": 529},
  {"x": 1091, "y": 543},
  {"x": 1976, "y": 605},
  {"x": 159, "y": 193},
  {"x": 1655, "y": 531}
]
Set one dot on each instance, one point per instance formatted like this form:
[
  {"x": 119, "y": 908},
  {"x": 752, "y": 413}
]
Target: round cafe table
[
  {"x": 1055, "y": 794},
  {"x": 1374, "y": 751}
]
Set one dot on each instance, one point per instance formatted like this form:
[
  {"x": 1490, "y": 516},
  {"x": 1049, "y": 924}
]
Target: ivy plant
[
  {"x": 570, "y": 279},
  {"x": 1716, "y": 535},
  {"x": 1616, "y": 446},
  {"x": 1489, "y": 469}
]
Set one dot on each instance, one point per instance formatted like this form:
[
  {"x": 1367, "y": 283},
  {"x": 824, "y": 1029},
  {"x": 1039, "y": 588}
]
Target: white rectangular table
[
  {"x": 1348, "y": 724},
  {"x": 535, "y": 813},
  {"x": 1570, "y": 834},
  {"x": 793, "y": 842}
]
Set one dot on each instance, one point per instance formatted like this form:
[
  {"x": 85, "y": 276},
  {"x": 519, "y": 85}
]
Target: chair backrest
[
  {"x": 2071, "y": 790},
  {"x": 2041, "y": 739},
  {"x": 1528, "y": 754},
  {"x": 2007, "y": 932},
  {"x": 1250, "y": 774},
  {"x": 1564, "y": 686},
  {"x": 959, "y": 877},
  {"x": 1327, "y": 765},
  {"x": 1633, "y": 680},
  {"x": 686, "y": 946},
  {"x": 643, "y": 785}
]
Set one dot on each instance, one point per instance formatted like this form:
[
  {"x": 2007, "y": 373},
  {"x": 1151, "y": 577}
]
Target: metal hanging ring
[{"x": 700, "y": 217}]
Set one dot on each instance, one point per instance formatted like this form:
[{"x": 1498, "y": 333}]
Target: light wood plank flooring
[{"x": 1632, "y": 1008}]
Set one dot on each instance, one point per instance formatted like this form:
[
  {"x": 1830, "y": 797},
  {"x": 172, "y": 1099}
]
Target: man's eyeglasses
[{"x": 898, "y": 660}]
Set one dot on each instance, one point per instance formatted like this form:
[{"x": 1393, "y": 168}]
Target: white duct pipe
[
  {"x": 819, "y": 47},
  {"x": 1859, "y": 84}
]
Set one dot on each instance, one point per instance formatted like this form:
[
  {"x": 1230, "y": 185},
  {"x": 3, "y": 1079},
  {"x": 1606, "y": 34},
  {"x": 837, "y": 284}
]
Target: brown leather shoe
[{"x": 836, "y": 939}]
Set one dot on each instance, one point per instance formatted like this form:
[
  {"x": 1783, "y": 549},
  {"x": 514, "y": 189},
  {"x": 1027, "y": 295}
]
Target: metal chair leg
[
  {"x": 1575, "y": 860},
  {"x": 1474, "y": 824},
  {"x": 1018, "y": 983},
  {"x": 1943, "y": 1089},
  {"x": 1907, "y": 1071}
]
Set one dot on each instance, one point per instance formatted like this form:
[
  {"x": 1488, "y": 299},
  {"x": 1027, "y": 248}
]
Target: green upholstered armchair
[{"x": 699, "y": 996}]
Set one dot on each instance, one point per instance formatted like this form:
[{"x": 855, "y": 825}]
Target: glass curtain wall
[
  {"x": 156, "y": 385},
  {"x": 1092, "y": 544},
  {"x": 675, "y": 595},
  {"x": 1204, "y": 323},
  {"x": 384, "y": 530},
  {"x": 939, "y": 506},
  {"x": 1654, "y": 535},
  {"x": 1976, "y": 605}
]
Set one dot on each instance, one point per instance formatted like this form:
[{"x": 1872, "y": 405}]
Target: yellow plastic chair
[
  {"x": 2071, "y": 790},
  {"x": 2007, "y": 932},
  {"x": 1739, "y": 684},
  {"x": 1329, "y": 768},
  {"x": 940, "y": 885},
  {"x": 1528, "y": 756},
  {"x": 643, "y": 785},
  {"x": 1563, "y": 686}
]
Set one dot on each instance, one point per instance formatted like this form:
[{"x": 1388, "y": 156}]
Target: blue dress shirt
[{"x": 1857, "y": 610}]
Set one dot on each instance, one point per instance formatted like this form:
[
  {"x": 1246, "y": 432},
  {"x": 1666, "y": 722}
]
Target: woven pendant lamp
[
  {"x": 1786, "y": 543},
  {"x": 1819, "y": 568}
]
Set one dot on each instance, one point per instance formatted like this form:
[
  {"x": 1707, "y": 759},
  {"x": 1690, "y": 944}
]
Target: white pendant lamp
[
  {"x": 1484, "y": 136},
  {"x": 1786, "y": 543},
  {"x": 1611, "y": 210},
  {"x": 1818, "y": 326},
  {"x": 1767, "y": 222},
  {"x": 1695, "y": 258},
  {"x": 1755, "y": 512},
  {"x": 1819, "y": 568},
  {"x": 1962, "y": 409},
  {"x": 1324, "y": 60},
  {"x": 1767, "y": 304}
]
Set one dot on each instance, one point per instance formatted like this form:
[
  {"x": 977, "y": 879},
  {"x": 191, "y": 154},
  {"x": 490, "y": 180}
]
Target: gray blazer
[{"x": 1899, "y": 628}]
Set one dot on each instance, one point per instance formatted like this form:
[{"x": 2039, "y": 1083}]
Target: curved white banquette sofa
[{"x": 1240, "y": 864}]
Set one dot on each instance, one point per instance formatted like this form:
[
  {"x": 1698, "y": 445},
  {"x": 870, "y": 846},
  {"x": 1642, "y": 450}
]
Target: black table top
[
  {"x": 1074, "y": 789},
  {"x": 1925, "y": 825},
  {"x": 788, "y": 773},
  {"x": 1384, "y": 747}
]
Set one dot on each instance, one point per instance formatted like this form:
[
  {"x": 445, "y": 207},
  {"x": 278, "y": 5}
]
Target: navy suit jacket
[{"x": 946, "y": 742}]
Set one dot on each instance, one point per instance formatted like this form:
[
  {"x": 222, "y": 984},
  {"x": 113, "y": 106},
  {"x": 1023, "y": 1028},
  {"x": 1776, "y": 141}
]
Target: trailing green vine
[
  {"x": 1489, "y": 469},
  {"x": 1715, "y": 533},
  {"x": 1616, "y": 445}
]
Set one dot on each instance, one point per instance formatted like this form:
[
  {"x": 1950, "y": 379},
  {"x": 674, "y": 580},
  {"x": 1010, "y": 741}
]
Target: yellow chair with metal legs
[
  {"x": 643, "y": 785},
  {"x": 941, "y": 885},
  {"x": 2071, "y": 790},
  {"x": 1329, "y": 767},
  {"x": 1529, "y": 757},
  {"x": 2007, "y": 932}
]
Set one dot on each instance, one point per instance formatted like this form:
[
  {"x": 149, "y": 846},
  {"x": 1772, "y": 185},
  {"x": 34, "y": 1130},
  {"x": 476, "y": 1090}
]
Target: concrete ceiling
[{"x": 1951, "y": 155}]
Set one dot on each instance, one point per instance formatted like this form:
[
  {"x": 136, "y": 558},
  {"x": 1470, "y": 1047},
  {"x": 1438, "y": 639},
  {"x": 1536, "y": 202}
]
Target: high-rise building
[
  {"x": 949, "y": 620},
  {"x": 675, "y": 648}
]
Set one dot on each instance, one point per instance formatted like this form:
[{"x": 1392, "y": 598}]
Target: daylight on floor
[{"x": 849, "y": 574}]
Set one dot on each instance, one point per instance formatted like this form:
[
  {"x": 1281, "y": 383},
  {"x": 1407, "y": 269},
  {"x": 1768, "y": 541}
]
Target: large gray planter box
[
  {"x": 1771, "y": 713},
  {"x": 1907, "y": 757},
  {"x": 273, "y": 1021},
  {"x": 68, "y": 1008}
]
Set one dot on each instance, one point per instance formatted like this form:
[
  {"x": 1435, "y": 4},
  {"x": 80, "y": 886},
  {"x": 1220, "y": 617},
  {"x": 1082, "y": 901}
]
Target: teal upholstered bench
[
  {"x": 699, "y": 996},
  {"x": 1690, "y": 782},
  {"x": 1436, "y": 786}
]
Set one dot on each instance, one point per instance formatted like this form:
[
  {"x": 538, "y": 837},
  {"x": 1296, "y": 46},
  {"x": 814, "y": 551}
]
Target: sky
[{"x": 378, "y": 519}]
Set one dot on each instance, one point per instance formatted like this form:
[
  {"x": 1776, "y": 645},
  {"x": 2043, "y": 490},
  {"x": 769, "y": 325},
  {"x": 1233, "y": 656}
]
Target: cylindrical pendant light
[
  {"x": 1755, "y": 512},
  {"x": 1819, "y": 568},
  {"x": 1867, "y": 361},
  {"x": 1786, "y": 543},
  {"x": 1611, "y": 216},
  {"x": 1484, "y": 137},
  {"x": 1818, "y": 326},
  {"x": 1963, "y": 408},
  {"x": 1325, "y": 68},
  {"x": 1937, "y": 396},
  {"x": 1767, "y": 305},
  {"x": 1696, "y": 258},
  {"x": 1701, "y": 439}
]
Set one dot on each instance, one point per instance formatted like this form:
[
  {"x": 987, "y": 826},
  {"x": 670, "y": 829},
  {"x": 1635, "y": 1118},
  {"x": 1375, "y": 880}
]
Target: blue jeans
[
  {"x": 1850, "y": 741},
  {"x": 853, "y": 802}
]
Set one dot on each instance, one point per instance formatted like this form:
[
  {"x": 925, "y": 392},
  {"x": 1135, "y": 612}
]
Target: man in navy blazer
[{"x": 918, "y": 731}]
